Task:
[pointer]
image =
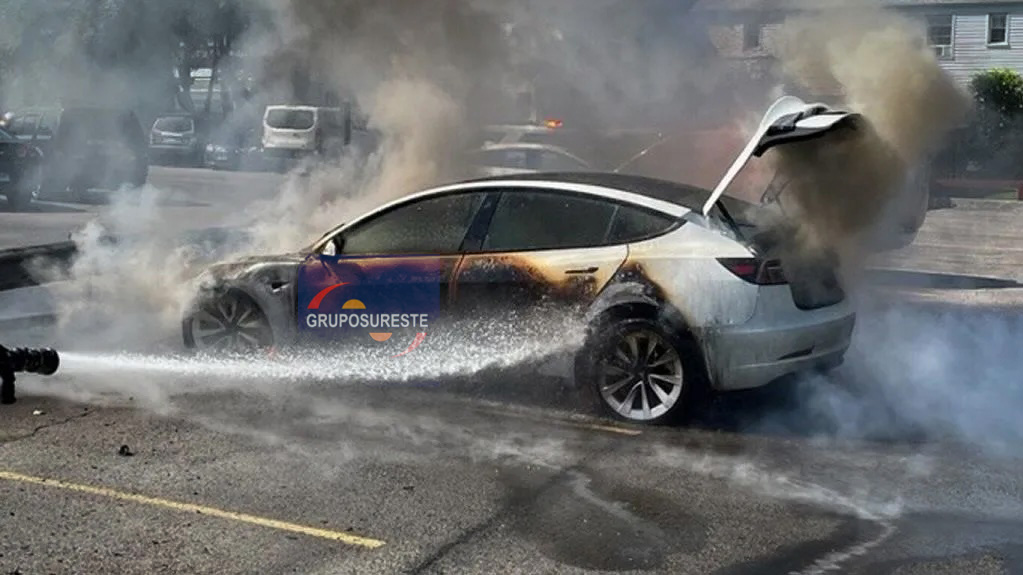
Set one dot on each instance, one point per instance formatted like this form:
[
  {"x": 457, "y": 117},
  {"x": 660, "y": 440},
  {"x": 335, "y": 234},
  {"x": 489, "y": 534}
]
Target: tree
[{"x": 993, "y": 141}]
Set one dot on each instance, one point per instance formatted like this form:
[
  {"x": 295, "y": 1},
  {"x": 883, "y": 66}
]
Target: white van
[{"x": 297, "y": 131}]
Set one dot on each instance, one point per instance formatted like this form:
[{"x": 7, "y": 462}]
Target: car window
[
  {"x": 24, "y": 127},
  {"x": 632, "y": 224},
  {"x": 285, "y": 119},
  {"x": 173, "y": 124},
  {"x": 547, "y": 220},
  {"x": 429, "y": 226}
]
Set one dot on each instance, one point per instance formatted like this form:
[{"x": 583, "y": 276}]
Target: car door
[
  {"x": 387, "y": 274},
  {"x": 539, "y": 248}
]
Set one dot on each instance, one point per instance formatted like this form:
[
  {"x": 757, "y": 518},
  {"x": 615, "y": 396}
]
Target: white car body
[{"x": 294, "y": 131}]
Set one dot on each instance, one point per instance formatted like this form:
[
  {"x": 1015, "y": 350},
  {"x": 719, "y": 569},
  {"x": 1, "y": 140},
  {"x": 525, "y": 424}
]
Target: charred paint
[{"x": 509, "y": 282}]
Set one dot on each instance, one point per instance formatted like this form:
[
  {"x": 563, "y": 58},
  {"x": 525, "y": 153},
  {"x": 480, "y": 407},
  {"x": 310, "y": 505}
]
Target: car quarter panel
[{"x": 681, "y": 271}]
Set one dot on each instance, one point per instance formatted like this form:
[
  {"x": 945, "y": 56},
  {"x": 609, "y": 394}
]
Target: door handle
[{"x": 589, "y": 270}]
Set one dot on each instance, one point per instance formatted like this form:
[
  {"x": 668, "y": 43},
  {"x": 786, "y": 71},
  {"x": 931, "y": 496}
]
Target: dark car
[
  {"x": 84, "y": 147},
  {"x": 234, "y": 150},
  {"x": 19, "y": 171}
]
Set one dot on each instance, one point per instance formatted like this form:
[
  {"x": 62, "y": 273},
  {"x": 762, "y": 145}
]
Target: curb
[
  {"x": 15, "y": 274},
  {"x": 21, "y": 253}
]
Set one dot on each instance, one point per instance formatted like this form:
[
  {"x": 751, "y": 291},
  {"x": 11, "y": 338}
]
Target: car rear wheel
[
  {"x": 642, "y": 371},
  {"x": 21, "y": 194},
  {"x": 231, "y": 323}
]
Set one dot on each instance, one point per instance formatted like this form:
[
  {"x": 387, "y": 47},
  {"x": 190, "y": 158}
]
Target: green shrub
[{"x": 999, "y": 90}]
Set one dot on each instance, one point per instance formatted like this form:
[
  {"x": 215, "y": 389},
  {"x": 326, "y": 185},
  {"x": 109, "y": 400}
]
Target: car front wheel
[
  {"x": 641, "y": 371},
  {"x": 231, "y": 322}
]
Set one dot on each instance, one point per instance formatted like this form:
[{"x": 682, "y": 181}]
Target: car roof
[
  {"x": 672, "y": 198},
  {"x": 302, "y": 108},
  {"x": 691, "y": 197},
  {"x": 525, "y": 146}
]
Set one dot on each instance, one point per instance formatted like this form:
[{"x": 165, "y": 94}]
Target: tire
[
  {"x": 18, "y": 199},
  {"x": 231, "y": 323},
  {"x": 78, "y": 193},
  {"x": 21, "y": 194},
  {"x": 636, "y": 384}
]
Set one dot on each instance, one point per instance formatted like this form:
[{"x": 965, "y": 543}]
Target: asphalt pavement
[
  {"x": 906, "y": 460},
  {"x": 128, "y": 463},
  {"x": 187, "y": 198}
]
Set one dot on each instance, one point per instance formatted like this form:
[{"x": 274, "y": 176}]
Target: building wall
[{"x": 970, "y": 50}]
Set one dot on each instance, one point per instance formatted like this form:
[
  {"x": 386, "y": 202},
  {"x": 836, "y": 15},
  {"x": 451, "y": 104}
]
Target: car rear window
[
  {"x": 284, "y": 119},
  {"x": 634, "y": 224},
  {"x": 173, "y": 124}
]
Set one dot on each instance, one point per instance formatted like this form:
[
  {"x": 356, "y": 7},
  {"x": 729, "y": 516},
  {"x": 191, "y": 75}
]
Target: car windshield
[
  {"x": 177, "y": 124},
  {"x": 285, "y": 119}
]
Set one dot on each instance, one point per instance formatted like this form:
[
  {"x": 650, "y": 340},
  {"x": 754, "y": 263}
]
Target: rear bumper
[{"x": 767, "y": 348}]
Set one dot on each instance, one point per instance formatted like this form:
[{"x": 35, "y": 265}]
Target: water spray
[{"x": 42, "y": 361}]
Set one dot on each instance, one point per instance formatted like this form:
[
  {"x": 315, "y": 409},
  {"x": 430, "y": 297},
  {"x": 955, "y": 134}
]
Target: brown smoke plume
[{"x": 886, "y": 72}]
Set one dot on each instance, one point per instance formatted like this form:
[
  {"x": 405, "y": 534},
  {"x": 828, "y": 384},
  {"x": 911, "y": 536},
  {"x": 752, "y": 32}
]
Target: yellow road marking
[{"x": 193, "y": 508}]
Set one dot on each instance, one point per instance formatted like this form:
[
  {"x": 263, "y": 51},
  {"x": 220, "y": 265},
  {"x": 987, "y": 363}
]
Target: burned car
[{"x": 679, "y": 297}]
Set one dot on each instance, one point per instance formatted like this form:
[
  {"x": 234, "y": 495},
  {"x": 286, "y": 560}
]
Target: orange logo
[{"x": 356, "y": 304}]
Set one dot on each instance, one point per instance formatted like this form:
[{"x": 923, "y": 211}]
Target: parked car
[
  {"x": 175, "y": 139},
  {"x": 84, "y": 147},
  {"x": 19, "y": 171},
  {"x": 680, "y": 298},
  {"x": 299, "y": 132},
  {"x": 234, "y": 150},
  {"x": 521, "y": 158}
]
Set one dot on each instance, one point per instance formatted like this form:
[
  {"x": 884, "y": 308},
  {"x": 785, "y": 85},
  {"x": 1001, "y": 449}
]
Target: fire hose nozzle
[{"x": 42, "y": 361}]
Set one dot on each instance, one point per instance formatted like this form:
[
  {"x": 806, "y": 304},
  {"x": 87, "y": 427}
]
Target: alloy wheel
[
  {"x": 230, "y": 323},
  {"x": 640, "y": 376}
]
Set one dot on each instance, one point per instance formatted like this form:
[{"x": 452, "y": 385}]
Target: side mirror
[{"x": 334, "y": 247}]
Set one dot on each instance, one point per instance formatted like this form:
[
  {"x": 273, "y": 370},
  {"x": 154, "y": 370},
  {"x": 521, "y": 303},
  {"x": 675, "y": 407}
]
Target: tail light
[{"x": 755, "y": 270}]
